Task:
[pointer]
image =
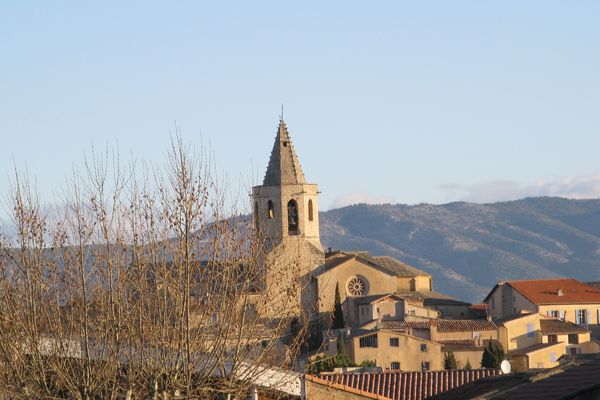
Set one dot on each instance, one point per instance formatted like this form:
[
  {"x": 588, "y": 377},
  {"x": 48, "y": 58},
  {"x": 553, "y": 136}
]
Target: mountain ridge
[{"x": 469, "y": 247}]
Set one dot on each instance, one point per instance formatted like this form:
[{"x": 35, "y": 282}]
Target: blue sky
[{"x": 385, "y": 101}]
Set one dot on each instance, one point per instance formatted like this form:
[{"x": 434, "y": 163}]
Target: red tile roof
[
  {"x": 548, "y": 291},
  {"x": 408, "y": 385},
  {"x": 443, "y": 325}
]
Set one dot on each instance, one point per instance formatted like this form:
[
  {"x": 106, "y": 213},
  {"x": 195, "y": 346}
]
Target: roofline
[{"x": 345, "y": 388}]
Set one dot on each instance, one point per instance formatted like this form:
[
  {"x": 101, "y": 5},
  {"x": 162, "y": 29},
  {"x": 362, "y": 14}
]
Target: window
[
  {"x": 573, "y": 338},
  {"x": 530, "y": 332},
  {"x": 540, "y": 365},
  {"x": 395, "y": 342},
  {"x": 368, "y": 341},
  {"x": 395, "y": 365},
  {"x": 581, "y": 317},
  {"x": 553, "y": 313},
  {"x": 310, "y": 210},
  {"x": 423, "y": 347},
  {"x": 270, "y": 209},
  {"x": 293, "y": 228},
  {"x": 412, "y": 311},
  {"x": 572, "y": 350},
  {"x": 357, "y": 286},
  {"x": 552, "y": 339},
  {"x": 425, "y": 366}
]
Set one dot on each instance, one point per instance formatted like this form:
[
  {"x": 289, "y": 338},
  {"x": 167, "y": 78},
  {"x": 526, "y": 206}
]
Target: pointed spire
[{"x": 284, "y": 167}]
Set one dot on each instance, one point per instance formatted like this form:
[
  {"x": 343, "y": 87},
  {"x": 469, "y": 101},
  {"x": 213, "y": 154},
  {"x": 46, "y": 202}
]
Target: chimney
[
  {"x": 433, "y": 330},
  {"x": 559, "y": 292}
]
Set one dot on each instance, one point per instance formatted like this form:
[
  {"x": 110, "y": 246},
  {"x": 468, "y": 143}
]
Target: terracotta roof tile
[
  {"x": 408, "y": 385},
  {"x": 556, "y": 291},
  {"x": 557, "y": 326},
  {"x": 443, "y": 325}
]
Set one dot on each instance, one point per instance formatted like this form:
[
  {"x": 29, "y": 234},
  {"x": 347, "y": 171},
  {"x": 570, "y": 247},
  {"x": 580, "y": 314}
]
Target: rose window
[{"x": 357, "y": 286}]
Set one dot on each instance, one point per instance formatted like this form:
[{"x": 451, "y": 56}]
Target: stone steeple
[
  {"x": 286, "y": 218},
  {"x": 284, "y": 167}
]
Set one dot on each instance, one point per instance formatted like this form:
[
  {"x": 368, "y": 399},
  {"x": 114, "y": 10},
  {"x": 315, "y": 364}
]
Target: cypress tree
[
  {"x": 338, "y": 313},
  {"x": 450, "y": 361}
]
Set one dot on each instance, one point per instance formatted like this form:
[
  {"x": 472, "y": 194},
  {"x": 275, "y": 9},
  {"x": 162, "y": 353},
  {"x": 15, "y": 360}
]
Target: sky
[{"x": 402, "y": 102}]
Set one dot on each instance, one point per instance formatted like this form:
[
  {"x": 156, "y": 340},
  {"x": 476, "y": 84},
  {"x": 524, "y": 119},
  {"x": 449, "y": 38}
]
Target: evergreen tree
[
  {"x": 468, "y": 365},
  {"x": 450, "y": 361},
  {"x": 338, "y": 313},
  {"x": 492, "y": 355}
]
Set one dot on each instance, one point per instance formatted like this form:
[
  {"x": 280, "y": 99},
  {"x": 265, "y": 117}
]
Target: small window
[
  {"x": 310, "y": 210},
  {"x": 368, "y": 341},
  {"x": 423, "y": 347},
  {"x": 425, "y": 366},
  {"x": 552, "y": 339},
  {"x": 581, "y": 317},
  {"x": 573, "y": 338},
  {"x": 270, "y": 209},
  {"x": 553, "y": 313},
  {"x": 540, "y": 365},
  {"x": 395, "y": 342},
  {"x": 530, "y": 332},
  {"x": 395, "y": 365}
]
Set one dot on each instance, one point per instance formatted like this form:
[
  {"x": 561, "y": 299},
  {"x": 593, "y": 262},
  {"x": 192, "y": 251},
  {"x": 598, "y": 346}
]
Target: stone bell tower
[{"x": 286, "y": 218}]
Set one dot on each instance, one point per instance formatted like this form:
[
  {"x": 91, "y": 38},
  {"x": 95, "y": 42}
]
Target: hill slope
[{"x": 469, "y": 247}]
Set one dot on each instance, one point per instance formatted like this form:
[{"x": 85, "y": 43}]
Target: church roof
[
  {"x": 284, "y": 167},
  {"x": 388, "y": 264}
]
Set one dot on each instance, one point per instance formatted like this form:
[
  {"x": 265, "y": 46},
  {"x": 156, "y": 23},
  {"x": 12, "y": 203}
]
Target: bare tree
[{"x": 144, "y": 283}]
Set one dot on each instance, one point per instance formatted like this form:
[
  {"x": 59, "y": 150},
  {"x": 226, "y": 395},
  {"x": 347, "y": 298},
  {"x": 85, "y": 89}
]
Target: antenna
[{"x": 281, "y": 115}]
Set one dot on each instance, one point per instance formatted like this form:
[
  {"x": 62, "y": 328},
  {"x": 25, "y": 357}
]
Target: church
[{"x": 286, "y": 218}]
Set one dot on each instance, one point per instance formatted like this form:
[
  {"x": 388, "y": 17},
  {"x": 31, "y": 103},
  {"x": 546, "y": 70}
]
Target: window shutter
[
  {"x": 598, "y": 312},
  {"x": 561, "y": 314},
  {"x": 577, "y": 319},
  {"x": 588, "y": 317},
  {"x": 549, "y": 313}
]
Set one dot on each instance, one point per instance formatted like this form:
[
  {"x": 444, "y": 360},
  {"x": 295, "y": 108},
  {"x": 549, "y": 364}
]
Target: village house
[
  {"x": 567, "y": 299},
  {"x": 533, "y": 340},
  {"x": 394, "y": 350}
]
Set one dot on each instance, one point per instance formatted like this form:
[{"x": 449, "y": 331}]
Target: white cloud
[
  {"x": 573, "y": 187},
  {"x": 360, "y": 197}
]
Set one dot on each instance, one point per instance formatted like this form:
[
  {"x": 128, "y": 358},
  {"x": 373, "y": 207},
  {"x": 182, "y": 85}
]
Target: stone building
[{"x": 286, "y": 217}]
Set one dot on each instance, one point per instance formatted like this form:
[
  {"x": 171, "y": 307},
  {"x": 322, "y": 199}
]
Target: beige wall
[
  {"x": 514, "y": 334},
  {"x": 413, "y": 310},
  {"x": 408, "y": 353},
  {"x": 583, "y": 345},
  {"x": 569, "y": 310},
  {"x": 473, "y": 356},
  {"x": 388, "y": 308},
  {"x": 538, "y": 359},
  {"x": 416, "y": 283}
]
